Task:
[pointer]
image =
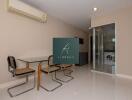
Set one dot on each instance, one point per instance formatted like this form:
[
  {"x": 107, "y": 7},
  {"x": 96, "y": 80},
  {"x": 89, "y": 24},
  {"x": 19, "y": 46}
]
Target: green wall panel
[{"x": 66, "y": 50}]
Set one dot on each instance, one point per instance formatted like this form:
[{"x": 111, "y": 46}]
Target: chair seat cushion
[
  {"x": 22, "y": 71},
  {"x": 50, "y": 69}
]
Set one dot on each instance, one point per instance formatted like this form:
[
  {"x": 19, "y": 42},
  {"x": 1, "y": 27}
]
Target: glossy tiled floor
[{"x": 87, "y": 85}]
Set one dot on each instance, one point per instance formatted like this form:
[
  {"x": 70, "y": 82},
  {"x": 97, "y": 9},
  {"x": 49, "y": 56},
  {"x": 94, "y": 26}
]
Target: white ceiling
[{"x": 78, "y": 12}]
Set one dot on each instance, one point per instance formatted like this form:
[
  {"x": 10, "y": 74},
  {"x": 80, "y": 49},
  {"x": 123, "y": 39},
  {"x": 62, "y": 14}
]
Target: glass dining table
[{"x": 39, "y": 61}]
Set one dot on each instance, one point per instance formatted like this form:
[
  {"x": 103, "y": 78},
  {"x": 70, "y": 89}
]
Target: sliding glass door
[
  {"x": 104, "y": 48},
  {"x": 99, "y": 55}
]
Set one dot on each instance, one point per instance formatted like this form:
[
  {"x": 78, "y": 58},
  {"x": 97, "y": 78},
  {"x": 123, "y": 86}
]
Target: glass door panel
[
  {"x": 99, "y": 50},
  {"x": 104, "y": 48}
]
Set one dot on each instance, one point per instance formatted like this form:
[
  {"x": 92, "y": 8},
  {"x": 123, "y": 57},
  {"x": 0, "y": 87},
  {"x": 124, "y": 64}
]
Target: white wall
[
  {"x": 21, "y": 37},
  {"x": 123, "y": 22}
]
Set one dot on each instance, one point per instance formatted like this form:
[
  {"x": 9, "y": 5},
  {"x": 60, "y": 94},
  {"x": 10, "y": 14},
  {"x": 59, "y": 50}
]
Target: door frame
[
  {"x": 93, "y": 28},
  {"x": 89, "y": 48}
]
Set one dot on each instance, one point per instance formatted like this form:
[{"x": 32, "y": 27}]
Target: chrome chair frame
[
  {"x": 11, "y": 95},
  {"x": 12, "y": 70},
  {"x": 50, "y": 90},
  {"x": 54, "y": 80},
  {"x": 65, "y": 74}
]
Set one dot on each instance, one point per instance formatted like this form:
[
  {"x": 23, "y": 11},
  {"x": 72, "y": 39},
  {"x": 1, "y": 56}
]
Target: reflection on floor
[
  {"x": 105, "y": 68},
  {"x": 87, "y": 85}
]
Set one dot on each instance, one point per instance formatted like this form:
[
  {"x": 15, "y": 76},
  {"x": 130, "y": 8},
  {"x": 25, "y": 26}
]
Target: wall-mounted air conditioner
[{"x": 27, "y": 10}]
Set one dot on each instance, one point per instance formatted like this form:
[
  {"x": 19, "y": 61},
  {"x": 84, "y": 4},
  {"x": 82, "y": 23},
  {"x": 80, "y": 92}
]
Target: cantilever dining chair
[
  {"x": 51, "y": 69},
  {"x": 15, "y": 71},
  {"x": 66, "y": 69}
]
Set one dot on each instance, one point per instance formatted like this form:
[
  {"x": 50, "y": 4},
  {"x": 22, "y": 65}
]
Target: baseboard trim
[
  {"x": 114, "y": 75},
  {"x": 124, "y": 76},
  {"x": 11, "y": 83},
  {"x": 102, "y": 73}
]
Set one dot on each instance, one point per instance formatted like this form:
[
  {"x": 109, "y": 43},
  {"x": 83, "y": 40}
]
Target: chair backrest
[
  {"x": 11, "y": 62},
  {"x": 50, "y": 60}
]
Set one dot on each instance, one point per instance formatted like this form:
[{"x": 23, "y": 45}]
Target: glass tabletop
[{"x": 33, "y": 59}]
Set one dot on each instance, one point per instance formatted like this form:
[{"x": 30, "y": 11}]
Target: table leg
[
  {"x": 27, "y": 65},
  {"x": 39, "y": 76}
]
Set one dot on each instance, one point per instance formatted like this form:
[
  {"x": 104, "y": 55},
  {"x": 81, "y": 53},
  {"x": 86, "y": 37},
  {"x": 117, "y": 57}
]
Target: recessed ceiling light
[{"x": 95, "y": 9}]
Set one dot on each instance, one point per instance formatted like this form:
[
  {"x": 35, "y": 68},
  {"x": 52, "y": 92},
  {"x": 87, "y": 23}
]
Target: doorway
[{"x": 102, "y": 48}]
